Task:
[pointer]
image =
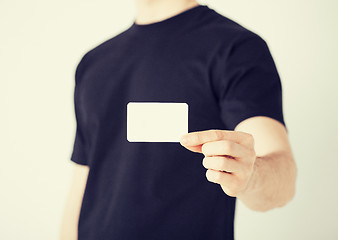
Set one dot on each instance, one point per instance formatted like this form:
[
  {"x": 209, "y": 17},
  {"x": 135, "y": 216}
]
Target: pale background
[{"x": 42, "y": 41}]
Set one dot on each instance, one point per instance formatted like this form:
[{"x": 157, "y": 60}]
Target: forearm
[
  {"x": 69, "y": 221},
  {"x": 272, "y": 183},
  {"x": 71, "y": 211}
]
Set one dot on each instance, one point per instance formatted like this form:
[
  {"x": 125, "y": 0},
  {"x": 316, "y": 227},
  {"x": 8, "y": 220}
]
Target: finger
[
  {"x": 224, "y": 147},
  {"x": 228, "y": 181},
  {"x": 197, "y": 149},
  {"x": 220, "y": 163},
  {"x": 201, "y": 137}
]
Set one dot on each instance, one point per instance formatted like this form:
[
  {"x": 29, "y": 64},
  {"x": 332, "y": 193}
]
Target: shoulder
[
  {"x": 99, "y": 52},
  {"x": 103, "y": 48},
  {"x": 227, "y": 31}
]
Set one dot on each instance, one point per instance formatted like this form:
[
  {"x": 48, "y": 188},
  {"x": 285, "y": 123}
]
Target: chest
[{"x": 171, "y": 72}]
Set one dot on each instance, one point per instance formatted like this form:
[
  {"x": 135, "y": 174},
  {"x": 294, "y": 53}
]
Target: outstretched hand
[{"x": 229, "y": 157}]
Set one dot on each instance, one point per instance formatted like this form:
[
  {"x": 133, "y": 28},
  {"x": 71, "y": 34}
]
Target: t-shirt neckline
[{"x": 180, "y": 17}]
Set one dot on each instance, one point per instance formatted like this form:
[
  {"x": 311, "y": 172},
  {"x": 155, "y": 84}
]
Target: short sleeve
[
  {"x": 250, "y": 84},
  {"x": 79, "y": 154}
]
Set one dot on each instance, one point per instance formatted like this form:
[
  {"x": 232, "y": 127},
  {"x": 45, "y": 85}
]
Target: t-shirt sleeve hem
[
  {"x": 233, "y": 121},
  {"x": 77, "y": 158}
]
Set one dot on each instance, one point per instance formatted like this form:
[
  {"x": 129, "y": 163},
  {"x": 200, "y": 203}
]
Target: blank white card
[{"x": 156, "y": 121}]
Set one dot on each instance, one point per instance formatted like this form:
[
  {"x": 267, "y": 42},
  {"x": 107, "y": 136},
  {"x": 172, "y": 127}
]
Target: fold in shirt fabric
[{"x": 158, "y": 190}]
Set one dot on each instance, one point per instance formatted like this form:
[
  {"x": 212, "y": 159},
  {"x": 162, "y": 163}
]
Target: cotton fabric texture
[{"x": 158, "y": 190}]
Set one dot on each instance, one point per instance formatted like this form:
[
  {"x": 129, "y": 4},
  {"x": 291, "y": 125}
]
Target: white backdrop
[{"x": 42, "y": 41}]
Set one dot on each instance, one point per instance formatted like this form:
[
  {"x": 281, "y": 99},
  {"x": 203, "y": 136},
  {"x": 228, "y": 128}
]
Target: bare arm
[
  {"x": 71, "y": 212},
  {"x": 253, "y": 163},
  {"x": 272, "y": 183}
]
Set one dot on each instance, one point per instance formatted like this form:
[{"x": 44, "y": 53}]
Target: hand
[{"x": 229, "y": 157}]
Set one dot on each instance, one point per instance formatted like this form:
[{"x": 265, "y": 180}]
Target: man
[{"x": 237, "y": 145}]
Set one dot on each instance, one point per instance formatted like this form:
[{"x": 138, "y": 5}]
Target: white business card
[{"x": 156, "y": 121}]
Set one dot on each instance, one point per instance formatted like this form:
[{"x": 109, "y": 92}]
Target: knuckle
[
  {"x": 218, "y": 134},
  {"x": 227, "y": 146},
  {"x": 250, "y": 139},
  {"x": 250, "y": 136},
  {"x": 252, "y": 154}
]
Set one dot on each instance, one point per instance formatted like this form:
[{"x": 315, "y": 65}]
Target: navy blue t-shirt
[{"x": 158, "y": 190}]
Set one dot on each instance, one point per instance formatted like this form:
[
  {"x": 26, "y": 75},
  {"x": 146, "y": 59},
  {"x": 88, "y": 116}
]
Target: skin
[
  {"x": 253, "y": 163},
  {"x": 71, "y": 212},
  {"x": 257, "y": 155},
  {"x": 151, "y": 11}
]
